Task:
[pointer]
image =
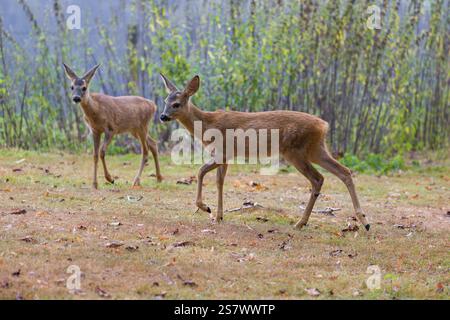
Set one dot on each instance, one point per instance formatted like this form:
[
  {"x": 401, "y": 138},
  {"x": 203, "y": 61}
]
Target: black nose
[
  {"x": 164, "y": 118},
  {"x": 76, "y": 99}
]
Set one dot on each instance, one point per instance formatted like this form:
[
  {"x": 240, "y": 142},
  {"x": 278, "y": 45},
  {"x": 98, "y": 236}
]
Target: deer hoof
[
  {"x": 367, "y": 226},
  {"x": 95, "y": 185},
  {"x": 300, "y": 225},
  {"x": 159, "y": 178}
]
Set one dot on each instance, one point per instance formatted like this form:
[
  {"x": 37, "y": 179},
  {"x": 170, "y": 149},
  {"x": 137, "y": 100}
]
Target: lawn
[{"x": 149, "y": 243}]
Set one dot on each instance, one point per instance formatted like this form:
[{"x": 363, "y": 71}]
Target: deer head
[
  {"x": 79, "y": 86},
  {"x": 177, "y": 102}
]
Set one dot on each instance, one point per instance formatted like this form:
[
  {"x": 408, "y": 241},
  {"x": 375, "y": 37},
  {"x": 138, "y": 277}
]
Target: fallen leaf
[
  {"x": 175, "y": 232},
  {"x": 134, "y": 199},
  {"x": 313, "y": 292},
  {"x": 262, "y": 219},
  {"x": 16, "y": 273},
  {"x": 29, "y": 239},
  {"x": 102, "y": 293},
  {"x": 131, "y": 248},
  {"x": 336, "y": 253},
  {"x": 17, "y": 170},
  {"x": 439, "y": 287},
  {"x": 18, "y": 211},
  {"x": 182, "y": 244},
  {"x": 190, "y": 283},
  {"x": 114, "y": 244},
  {"x": 258, "y": 186},
  {"x": 285, "y": 246},
  {"x": 187, "y": 181}
]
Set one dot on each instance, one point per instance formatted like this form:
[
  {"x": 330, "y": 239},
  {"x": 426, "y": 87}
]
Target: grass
[{"x": 67, "y": 223}]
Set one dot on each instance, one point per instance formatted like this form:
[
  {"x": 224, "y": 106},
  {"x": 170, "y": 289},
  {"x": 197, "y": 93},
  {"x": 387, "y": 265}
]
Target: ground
[{"x": 149, "y": 243}]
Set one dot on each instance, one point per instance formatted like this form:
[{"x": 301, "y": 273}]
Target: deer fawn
[
  {"x": 301, "y": 142},
  {"x": 111, "y": 116}
]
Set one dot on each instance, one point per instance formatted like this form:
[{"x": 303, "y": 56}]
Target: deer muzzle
[{"x": 164, "y": 118}]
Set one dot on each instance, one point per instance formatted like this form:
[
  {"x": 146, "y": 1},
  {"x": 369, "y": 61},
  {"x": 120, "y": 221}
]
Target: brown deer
[
  {"x": 301, "y": 143},
  {"x": 112, "y": 116}
]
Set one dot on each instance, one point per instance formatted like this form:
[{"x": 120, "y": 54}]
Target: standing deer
[
  {"x": 301, "y": 143},
  {"x": 111, "y": 116}
]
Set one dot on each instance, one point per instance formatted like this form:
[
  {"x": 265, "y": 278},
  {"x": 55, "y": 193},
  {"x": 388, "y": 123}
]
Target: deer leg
[
  {"x": 220, "y": 179},
  {"x": 106, "y": 142},
  {"x": 151, "y": 144},
  {"x": 316, "y": 180},
  {"x": 207, "y": 167},
  {"x": 97, "y": 137},
  {"x": 326, "y": 161},
  {"x": 144, "y": 148}
]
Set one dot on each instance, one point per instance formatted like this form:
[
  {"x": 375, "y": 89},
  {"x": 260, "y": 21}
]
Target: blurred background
[{"x": 384, "y": 92}]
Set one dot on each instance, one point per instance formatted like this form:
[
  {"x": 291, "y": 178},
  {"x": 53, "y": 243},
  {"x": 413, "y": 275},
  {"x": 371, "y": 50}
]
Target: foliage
[
  {"x": 374, "y": 163},
  {"x": 382, "y": 91}
]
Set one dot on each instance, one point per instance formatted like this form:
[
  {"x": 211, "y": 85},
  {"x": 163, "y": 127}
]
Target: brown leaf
[
  {"x": 182, "y": 244},
  {"x": 131, "y": 248},
  {"x": 18, "y": 211},
  {"x": 17, "y": 169},
  {"x": 29, "y": 239},
  {"x": 262, "y": 219},
  {"x": 190, "y": 283},
  {"x": 16, "y": 273},
  {"x": 336, "y": 253},
  {"x": 187, "y": 181},
  {"x": 102, "y": 293}
]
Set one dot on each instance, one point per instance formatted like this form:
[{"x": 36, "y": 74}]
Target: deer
[
  {"x": 104, "y": 114},
  {"x": 301, "y": 143}
]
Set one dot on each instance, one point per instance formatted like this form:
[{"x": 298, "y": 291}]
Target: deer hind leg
[
  {"x": 220, "y": 179},
  {"x": 96, "y": 137},
  {"x": 108, "y": 138},
  {"x": 207, "y": 167},
  {"x": 326, "y": 161},
  {"x": 151, "y": 144},
  {"x": 144, "y": 149},
  {"x": 316, "y": 180}
]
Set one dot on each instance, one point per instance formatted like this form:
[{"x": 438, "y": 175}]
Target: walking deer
[
  {"x": 108, "y": 115},
  {"x": 301, "y": 143}
]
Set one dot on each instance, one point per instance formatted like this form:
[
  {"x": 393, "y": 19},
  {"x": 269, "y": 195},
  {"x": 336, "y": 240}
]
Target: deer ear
[
  {"x": 170, "y": 87},
  {"x": 88, "y": 75},
  {"x": 69, "y": 72},
  {"x": 192, "y": 86}
]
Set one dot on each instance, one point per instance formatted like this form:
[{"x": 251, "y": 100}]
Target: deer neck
[
  {"x": 195, "y": 114},
  {"x": 88, "y": 105}
]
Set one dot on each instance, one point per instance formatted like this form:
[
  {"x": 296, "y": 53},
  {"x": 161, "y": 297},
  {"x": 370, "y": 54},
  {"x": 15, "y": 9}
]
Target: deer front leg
[
  {"x": 97, "y": 137},
  {"x": 207, "y": 167},
  {"x": 108, "y": 138},
  {"x": 220, "y": 179}
]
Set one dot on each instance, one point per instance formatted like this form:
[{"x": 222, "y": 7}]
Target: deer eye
[
  {"x": 176, "y": 105},
  {"x": 84, "y": 89}
]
